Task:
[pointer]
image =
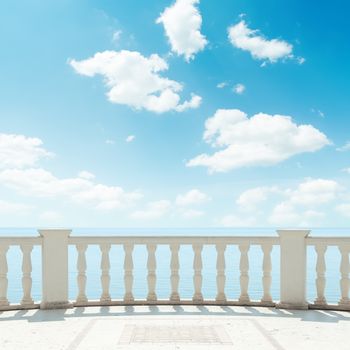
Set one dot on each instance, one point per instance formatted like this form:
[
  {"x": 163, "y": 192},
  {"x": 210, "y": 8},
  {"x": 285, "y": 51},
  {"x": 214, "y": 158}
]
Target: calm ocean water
[{"x": 163, "y": 262}]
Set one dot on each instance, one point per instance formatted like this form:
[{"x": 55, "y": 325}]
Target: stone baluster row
[
  {"x": 344, "y": 283},
  {"x": 27, "y": 300},
  {"x": 174, "y": 270}
]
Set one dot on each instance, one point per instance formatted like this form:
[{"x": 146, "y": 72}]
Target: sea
[{"x": 163, "y": 288}]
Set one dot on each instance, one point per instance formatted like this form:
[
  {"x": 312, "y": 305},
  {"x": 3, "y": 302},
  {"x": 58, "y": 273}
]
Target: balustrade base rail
[{"x": 97, "y": 303}]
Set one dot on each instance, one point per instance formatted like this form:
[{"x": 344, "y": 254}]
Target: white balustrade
[
  {"x": 105, "y": 278},
  {"x": 54, "y": 245},
  {"x": 266, "y": 279},
  {"x": 197, "y": 277},
  {"x": 81, "y": 278},
  {"x": 27, "y": 300},
  {"x": 3, "y": 275},
  {"x": 151, "y": 278},
  {"x": 344, "y": 271},
  {"x": 320, "y": 270},
  {"x": 220, "y": 276},
  {"x": 128, "y": 272},
  {"x": 244, "y": 268},
  {"x": 174, "y": 277}
]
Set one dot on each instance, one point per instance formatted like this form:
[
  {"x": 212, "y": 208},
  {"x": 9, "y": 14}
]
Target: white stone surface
[
  {"x": 54, "y": 268},
  {"x": 293, "y": 268},
  {"x": 178, "y": 327}
]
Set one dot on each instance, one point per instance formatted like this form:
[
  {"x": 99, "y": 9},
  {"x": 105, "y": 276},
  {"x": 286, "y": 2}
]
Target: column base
[{"x": 51, "y": 305}]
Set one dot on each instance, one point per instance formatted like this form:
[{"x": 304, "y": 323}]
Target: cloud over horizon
[
  {"x": 18, "y": 151},
  {"x": 260, "y": 140}
]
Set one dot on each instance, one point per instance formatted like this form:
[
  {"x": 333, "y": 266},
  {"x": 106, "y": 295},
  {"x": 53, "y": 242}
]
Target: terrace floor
[{"x": 174, "y": 327}]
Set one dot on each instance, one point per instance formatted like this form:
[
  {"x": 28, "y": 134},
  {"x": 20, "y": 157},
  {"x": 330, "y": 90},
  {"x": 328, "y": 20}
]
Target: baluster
[
  {"x": 344, "y": 281},
  {"x": 266, "y": 279},
  {"x": 174, "y": 278},
  {"x": 81, "y": 278},
  {"x": 220, "y": 276},
  {"x": 27, "y": 278},
  {"x": 320, "y": 270},
  {"x": 3, "y": 275},
  {"x": 151, "y": 278},
  {"x": 128, "y": 272},
  {"x": 244, "y": 268},
  {"x": 197, "y": 278},
  {"x": 105, "y": 278}
]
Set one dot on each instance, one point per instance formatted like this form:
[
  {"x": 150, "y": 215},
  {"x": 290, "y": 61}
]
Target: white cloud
[
  {"x": 298, "y": 207},
  {"x": 301, "y": 205},
  {"x": 130, "y": 138},
  {"x": 182, "y": 23},
  {"x": 41, "y": 183},
  {"x": 51, "y": 216},
  {"x": 154, "y": 210},
  {"x": 344, "y": 148},
  {"x": 236, "y": 221},
  {"x": 222, "y": 85},
  {"x": 284, "y": 214},
  {"x": 110, "y": 142},
  {"x": 239, "y": 89},
  {"x": 347, "y": 170},
  {"x": 318, "y": 112},
  {"x": 86, "y": 175},
  {"x": 116, "y": 36},
  {"x": 260, "y": 140},
  {"x": 251, "y": 198},
  {"x": 343, "y": 209},
  {"x": 18, "y": 151},
  {"x": 193, "y": 103},
  {"x": 301, "y": 60},
  {"x": 192, "y": 197},
  {"x": 14, "y": 208},
  {"x": 192, "y": 214},
  {"x": 313, "y": 192},
  {"x": 259, "y": 47},
  {"x": 134, "y": 80}
]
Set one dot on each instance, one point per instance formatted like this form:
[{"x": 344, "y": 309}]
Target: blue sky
[{"x": 187, "y": 113}]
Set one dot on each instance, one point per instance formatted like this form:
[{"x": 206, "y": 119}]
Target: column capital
[
  {"x": 57, "y": 232},
  {"x": 300, "y": 233}
]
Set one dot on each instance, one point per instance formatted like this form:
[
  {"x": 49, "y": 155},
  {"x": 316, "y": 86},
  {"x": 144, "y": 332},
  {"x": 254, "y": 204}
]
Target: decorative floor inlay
[{"x": 174, "y": 334}]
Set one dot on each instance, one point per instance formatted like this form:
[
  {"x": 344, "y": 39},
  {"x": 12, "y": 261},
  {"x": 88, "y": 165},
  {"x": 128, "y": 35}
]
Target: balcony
[{"x": 277, "y": 317}]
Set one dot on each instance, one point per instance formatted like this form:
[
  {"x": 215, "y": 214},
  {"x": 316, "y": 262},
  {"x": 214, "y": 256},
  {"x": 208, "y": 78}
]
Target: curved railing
[{"x": 292, "y": 265}]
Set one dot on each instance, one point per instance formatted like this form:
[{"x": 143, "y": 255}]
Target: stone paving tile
[{"x": 178, "y": 328}]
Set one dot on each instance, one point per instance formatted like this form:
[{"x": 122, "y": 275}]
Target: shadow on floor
[{"x": 135, "y": 311}]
